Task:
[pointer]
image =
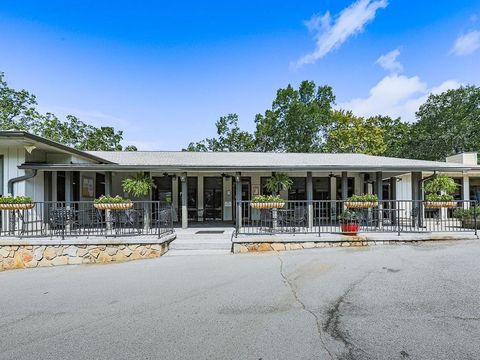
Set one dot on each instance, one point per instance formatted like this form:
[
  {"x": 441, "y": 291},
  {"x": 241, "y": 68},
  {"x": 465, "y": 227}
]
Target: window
[
  {"x": 350, "y": 187},
  {"x": 321, "y": 188},
  {"x": 298, "y": 190},
  {"x": 263, "y": 183}
]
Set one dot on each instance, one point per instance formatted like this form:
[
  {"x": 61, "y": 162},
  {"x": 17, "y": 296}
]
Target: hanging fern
[
  {"x": 279, "y": 182},
  {"x": 138, "y": 185}
]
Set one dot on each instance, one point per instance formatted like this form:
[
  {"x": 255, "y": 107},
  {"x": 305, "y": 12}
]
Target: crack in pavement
[
  {"x": 332, "y": 325},
  {"x": 293, "y": 290}
]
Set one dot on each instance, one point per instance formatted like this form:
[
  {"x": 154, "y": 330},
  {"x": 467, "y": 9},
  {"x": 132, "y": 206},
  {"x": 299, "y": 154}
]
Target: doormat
[{"x": 210, "y": 232}]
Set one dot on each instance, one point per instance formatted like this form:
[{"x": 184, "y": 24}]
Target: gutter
[{"x": 13, "y": 181}]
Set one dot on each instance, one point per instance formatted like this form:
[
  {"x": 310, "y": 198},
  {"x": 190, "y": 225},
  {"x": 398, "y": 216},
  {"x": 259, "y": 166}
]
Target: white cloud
[
  {"x": 389, "y": 61},
  {"x": 330, "y": 35},
  {"x": 466, "y": 44},
  {"x": 396, "y": 96}
]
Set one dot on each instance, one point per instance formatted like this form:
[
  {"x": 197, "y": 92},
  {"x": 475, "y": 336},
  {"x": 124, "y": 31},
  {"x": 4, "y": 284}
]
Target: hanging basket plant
[
  {"x": 16, "y": 203},
  {"x": 438, "y": 192},
  {"x": 278, "y": 182},
  {"x": 267, "y": 202},
  {"x": 364, "y": 201},
  {"x": 138, "y": 185},
  {"x": 112, "y": 203}
]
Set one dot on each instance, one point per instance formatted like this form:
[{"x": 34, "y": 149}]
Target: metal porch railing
[
  {"x": 81, "y": 218},
  {"x": 323, "y": 216}
]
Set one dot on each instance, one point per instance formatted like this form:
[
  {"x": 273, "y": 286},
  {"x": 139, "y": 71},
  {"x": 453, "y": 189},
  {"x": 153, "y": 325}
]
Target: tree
[
  {"x": 351, "y": 134},
  {"x": 18, "y": 112},
  {"x": 448, "y": 123},
  {"x": 230, "y": 137},
  {"x": 297, "y": 121}
]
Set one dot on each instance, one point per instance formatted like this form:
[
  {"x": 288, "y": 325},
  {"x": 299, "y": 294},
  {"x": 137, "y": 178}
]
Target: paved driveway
[{"x": 391, "y": 302}]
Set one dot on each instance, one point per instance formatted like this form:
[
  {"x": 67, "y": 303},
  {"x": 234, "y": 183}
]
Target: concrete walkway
[{"x": 202, "y": 241}]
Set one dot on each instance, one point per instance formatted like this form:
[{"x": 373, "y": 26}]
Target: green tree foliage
[
  {"x": 297, "y": 121},
  {"x": 448, "y": 123},
  {"x": 230, "y": 137},
  {"x": 18, "y": 112},
  {"x": 352, "y": 134}
]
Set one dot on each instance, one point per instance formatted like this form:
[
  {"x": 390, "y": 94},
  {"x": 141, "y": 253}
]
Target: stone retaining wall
[
  {"x": 277, "y": 246},
  {"x": 30, "y": 256}
]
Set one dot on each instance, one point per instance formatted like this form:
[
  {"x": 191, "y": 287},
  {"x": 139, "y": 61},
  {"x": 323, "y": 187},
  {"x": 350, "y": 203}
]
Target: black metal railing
[
  {"x": 392, "y": 216},
  {"x": 81, "y": 218}
]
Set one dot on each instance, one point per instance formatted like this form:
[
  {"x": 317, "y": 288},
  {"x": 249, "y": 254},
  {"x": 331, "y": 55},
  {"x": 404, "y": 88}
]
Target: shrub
[
  {"x": 439, "y": 197},
  {"x": 267, "y": 198},
  {"x": 363, "y": 198},
  {"x": 16, "y": 200},
  {"x": 462, "y": 213},
  {"x": 111, "y": 200},
  {"x": 348, "y": 216}
]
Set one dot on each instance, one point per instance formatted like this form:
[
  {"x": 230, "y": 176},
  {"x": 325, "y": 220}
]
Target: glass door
[
  {"x": 246, "y": 196},
  {"x": 213, "y": 198},
  {"x": 163, "y": 189},
  {"x": 192, "y": 198}
]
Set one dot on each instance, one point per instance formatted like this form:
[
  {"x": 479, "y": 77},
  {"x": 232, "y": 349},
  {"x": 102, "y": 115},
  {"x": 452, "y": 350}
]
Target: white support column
[
  {"x": 184, "y": 195},
  {"x": 238, "y": 199},
  {"x": 466, "y": 190},
  {"x": 310, "y": 199},
  {"x": 344, "y": 185},
  {"x": 379, "y": 191}
]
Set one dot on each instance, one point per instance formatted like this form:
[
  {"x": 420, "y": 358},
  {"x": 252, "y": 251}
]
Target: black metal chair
[{"x": 62, "y": 221}]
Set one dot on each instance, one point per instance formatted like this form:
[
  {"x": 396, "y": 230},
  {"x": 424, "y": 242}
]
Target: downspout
[{"x": 13, "y": 181}]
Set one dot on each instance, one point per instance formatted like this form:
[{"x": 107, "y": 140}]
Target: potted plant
[
  {"x": 138, "y": 185},
  {"x": 267, "y": 202},
  {"x": 349, "y": 222},
  {"x": 16, "y": 203},
  {"x": 278, "y": 182},
  {"x": 363, "y": 201},
  {"x": 112, "y": 203},
  {"x": 467, "y": 216},
  {"x": 438, "y": 192}
]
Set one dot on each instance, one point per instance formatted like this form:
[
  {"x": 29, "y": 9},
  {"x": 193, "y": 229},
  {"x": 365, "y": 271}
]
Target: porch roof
[{"x": 238, "y": 161}]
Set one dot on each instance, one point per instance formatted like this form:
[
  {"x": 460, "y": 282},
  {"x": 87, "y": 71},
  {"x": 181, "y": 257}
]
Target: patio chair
[
  {"x": 299, "y": 217},
  {"x": 126, "y": 221},
  {"x": 93, "y": 222},
  {"x": 62, "y": 220}
]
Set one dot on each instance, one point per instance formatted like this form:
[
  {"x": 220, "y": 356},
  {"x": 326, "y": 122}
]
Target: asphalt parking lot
[{"x": 383, "y": 302}]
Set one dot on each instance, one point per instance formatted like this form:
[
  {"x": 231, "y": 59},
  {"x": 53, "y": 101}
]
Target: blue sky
[{"x": 165, "y": 71}]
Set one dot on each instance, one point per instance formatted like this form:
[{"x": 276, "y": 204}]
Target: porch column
[
  {"x": 393, "y": 198},
  {"x": 108, "y": 192},
  {"x": 344, "y": 185},
  {"x": 68, "y": 199},
  {"x": 379, "y": 191},
  {"x": 68, "y": 186},
  {"x": 310, "y": 199},
  {"x": 466, "y": 190},
  {"x": 108, "y": 183},
  {"x": 416, "y": 197},
  {"x": 238, "y": 199},
  {"x": 183, "y": 179}
]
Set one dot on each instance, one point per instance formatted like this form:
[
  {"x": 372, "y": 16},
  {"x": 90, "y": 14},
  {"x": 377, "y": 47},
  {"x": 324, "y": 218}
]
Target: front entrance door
[
  {"x": 213, "y": 198},
  {"x": 192, "y": 198},
  {"x": 246, "y": 196}
]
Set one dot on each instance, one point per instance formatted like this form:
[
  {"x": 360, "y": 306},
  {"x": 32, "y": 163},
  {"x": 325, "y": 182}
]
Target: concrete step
[
  {"x": 197, "y": 252},
  {"x": 199, "y": 246}
]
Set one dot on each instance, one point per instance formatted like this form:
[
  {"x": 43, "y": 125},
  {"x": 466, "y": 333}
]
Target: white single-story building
[{"x": 212, "y": 182}]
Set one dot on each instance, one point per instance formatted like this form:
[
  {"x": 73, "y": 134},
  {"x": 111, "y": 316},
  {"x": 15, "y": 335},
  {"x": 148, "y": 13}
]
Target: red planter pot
[{"x": 350, "y": 228}]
